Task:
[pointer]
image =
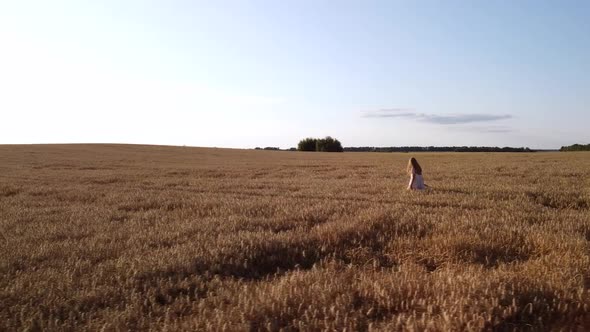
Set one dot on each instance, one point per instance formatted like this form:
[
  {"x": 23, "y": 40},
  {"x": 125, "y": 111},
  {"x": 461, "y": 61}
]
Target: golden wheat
[{"x": 120, "y": 237}]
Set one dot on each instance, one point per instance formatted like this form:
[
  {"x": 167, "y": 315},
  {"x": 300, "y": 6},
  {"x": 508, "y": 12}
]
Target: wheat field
[{"x": 131, "y": 237}]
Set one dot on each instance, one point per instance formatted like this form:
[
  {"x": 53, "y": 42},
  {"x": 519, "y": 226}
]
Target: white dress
[{"x": 418, "y": 181}]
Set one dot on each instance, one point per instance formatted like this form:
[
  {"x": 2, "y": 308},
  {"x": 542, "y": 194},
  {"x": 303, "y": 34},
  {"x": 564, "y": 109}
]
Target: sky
[{"x": 244, "y": 74}]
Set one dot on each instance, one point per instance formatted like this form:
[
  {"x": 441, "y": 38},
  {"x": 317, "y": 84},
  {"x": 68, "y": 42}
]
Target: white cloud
[{"x": 435, "y": 118}]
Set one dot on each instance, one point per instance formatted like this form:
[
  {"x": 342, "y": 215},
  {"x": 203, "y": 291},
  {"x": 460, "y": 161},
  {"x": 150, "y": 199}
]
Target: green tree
[
  {"x": 307, "y": 144},
  {"x": 328, "y": 144}
]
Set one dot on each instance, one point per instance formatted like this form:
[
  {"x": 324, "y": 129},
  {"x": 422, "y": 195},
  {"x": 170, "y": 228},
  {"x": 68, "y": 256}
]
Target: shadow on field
[
  {"x": 362, "y": 242},
  {"x": 358, "y": 241},
  {"x": 533, "y": 311},
  {"x": 559, "y": 200},
  {"x": 435, "y": 204},
  {"x": 526, "y": 313},
  {"x": 492, "y": 255},
  {"x": 8, "y": 191},
  {"x": 274, "y": 257},
  {"x": 449, "y": 190}
]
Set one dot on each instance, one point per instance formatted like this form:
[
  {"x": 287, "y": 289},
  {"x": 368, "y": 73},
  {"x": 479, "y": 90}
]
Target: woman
[{"x": 416, "y": 179}]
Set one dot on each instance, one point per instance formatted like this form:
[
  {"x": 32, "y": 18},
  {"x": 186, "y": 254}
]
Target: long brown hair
[{"x": 413, "y": 163}]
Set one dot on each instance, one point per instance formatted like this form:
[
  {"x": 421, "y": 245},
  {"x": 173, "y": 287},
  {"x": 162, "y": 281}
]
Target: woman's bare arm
[{"x": 411, "y": 181}]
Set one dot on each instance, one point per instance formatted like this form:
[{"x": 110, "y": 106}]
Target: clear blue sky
[{"x": 268, "y": 73}]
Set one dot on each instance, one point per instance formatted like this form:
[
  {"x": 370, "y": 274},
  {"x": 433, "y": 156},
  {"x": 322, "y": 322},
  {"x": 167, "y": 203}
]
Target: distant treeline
[
  {"x": 272, "y": 148},
  {"x": 436, "y": 149},
  {"x": 576, "y": 147}
]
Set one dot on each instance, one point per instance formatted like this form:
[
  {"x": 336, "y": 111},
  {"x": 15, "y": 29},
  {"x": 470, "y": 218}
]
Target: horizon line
[{"x": 281, "y": 148}]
